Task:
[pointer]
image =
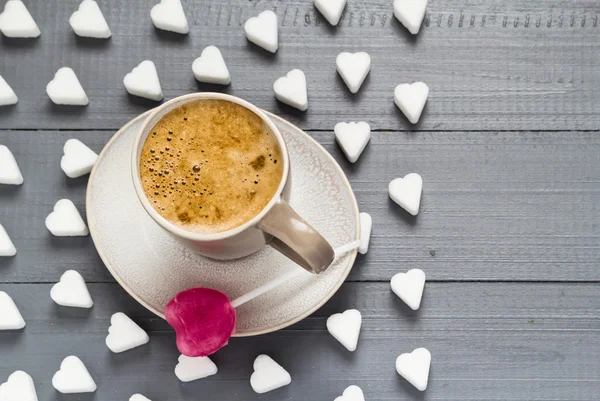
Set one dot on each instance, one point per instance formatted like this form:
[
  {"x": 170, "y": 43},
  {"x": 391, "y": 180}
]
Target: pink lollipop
[{"x": 204, "y": 318}]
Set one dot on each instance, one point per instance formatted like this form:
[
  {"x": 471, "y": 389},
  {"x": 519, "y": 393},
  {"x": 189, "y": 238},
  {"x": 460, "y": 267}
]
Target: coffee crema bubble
[{"x": 210, "y": 166}]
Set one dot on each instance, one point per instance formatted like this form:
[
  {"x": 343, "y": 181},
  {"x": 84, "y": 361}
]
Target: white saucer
[{"x": 153, "y": 267}]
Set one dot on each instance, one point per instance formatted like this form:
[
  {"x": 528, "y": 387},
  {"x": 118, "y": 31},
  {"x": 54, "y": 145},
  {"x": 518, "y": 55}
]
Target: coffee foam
[{"x": 210, "y": 166}]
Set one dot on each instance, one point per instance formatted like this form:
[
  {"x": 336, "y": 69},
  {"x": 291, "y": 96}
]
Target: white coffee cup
[{"x": 277, "y": 224}]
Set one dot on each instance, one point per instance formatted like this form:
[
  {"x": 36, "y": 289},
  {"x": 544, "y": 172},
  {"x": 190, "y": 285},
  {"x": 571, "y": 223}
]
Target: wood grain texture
[
  {"x": 512, "y": 65},
  {"x": 495, "y": 206},
  {"x": 489, "y": 341},
  {"x": 508, "y": 148}
]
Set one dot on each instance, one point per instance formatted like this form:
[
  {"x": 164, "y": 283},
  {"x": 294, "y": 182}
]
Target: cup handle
[{"x": 296, "y": 239}]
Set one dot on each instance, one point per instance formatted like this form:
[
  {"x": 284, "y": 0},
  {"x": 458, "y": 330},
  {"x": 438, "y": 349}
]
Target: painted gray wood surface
[
  {"x": 508, "y": 234},
  {"x": 496, "y": 206},
  {"x": 488, "y": 342},
  {"x": 513, "y": 64}
]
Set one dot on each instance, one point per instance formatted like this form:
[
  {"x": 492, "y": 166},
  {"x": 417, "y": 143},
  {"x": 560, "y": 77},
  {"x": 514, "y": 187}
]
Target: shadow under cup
[{"x": 276, "y": 224}]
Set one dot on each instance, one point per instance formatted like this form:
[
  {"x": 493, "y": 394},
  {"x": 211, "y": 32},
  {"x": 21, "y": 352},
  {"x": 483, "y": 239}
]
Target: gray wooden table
[{"x": 509, "y": 229}]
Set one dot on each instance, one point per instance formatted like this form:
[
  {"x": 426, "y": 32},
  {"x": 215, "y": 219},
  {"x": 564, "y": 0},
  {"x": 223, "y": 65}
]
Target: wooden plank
[
  {"x": 489, "y": 341},
  {"x": 496, "y": 206},
  {"x": 514, "y": 65}
]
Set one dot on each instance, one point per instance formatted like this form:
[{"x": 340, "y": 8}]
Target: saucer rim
[{"x": 353, "y": 254}]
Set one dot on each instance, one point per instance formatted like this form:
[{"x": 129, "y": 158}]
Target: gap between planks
[
  {"x": 375, "y": 129},
  {"x": 437, "y": 281}
]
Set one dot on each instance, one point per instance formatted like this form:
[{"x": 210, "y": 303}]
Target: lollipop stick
[
  {"x": 266, "y": 287},
  {"x": 339, "y": 251},
  {"x": 342, "y": 249}
]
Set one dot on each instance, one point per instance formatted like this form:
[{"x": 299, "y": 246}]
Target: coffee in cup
[{"x": 210, "y": 165}]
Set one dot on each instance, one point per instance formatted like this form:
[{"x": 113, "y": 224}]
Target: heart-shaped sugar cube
[
  {"x": 9, "y": 169},
  {"x": 353, "y": 68},
  {"x": 268, "y": 375},
  {"x": 411, "y": 99},
  {"x": 406, "y": 192},
  {"x": 7, "y": 248},
  {"x": 291, "y": 90},
  {"x": 7, "y": 95},
  {"x": 124, "y": 334},
  {"x": 88, "y": 21},
  {"x": 410, "y": 13},
  {"x": 409, "y": 287},
  {"x": 345, "y": 327},
  {"x": 18, "y": 387},
  {"x": 168, "y": 15},
  {"x": 414, "y": 367},
  {"x": 352, "y": 393},
  {"x": 262, "y": 30},
  {"x": 331, "y": 9},
  {"x": 352, "y": 138},
  {"x": 17, "y": 22},
  {"x": 66, "y": 89},
  {"x": 194, "y": 368},
  {"x": 203, "y": 319},
  {"x": 143, "y": 81},
  {"x": 71, "y": 291},
  {"x": 211, "y": 68},
  {"x": 10, "y": 317},
  {"x": 78, "y": 159},
  {"x": 366, "y": 223},
  {"x": 65, "y": 220},
  {"x": 138, "y": 397},
  {"x": 73, "y": 377}
]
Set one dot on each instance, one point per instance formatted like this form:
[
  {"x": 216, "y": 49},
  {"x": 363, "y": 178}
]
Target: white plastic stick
[
  {"x": 339, "y": 251},
  {"x": 266, "y": 287},
  {"x": 342, "y": 249}
]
